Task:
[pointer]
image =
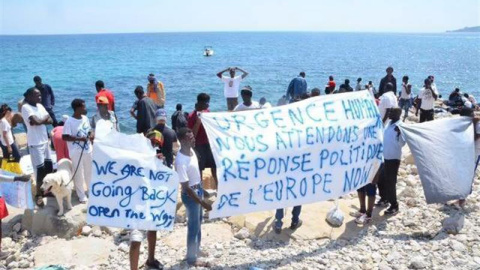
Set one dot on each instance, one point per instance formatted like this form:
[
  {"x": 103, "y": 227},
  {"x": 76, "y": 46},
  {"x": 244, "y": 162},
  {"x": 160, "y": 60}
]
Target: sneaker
[
  {"x": 295, "y": 226},
  {"x": 363, "y": 219},
  {"x": 154, "y": 265},
  {"x": 391, "y": 211},
  {"x": 277, "y": 229},
  {"x": 356, "y": 214},
  {"x": 382, "y": 203}
]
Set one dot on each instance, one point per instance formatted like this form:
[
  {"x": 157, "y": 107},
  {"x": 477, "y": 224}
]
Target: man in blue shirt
[
  {"x": 297, "y": 87},
  {"x": 48, "y": 99}
]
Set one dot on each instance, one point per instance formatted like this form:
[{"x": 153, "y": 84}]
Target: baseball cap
[
  {"x": 161, "y": 114},
  {"x": 102, "y": 100}
]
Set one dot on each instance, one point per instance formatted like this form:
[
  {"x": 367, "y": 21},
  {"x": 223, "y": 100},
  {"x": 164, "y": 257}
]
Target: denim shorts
[{"x": 370, "y": 189}]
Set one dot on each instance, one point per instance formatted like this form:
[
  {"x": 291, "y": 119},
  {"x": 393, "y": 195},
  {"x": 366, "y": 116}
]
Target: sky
[{"x": 19, "y": 17}]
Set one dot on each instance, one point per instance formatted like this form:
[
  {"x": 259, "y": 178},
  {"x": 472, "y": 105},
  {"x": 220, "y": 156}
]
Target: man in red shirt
[
  {"x": 202, "y": 146},
  {"x": 104, "y": 92}
]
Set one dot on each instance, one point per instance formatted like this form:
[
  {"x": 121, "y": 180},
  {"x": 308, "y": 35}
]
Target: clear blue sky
[{"x": 125, "y": 16}]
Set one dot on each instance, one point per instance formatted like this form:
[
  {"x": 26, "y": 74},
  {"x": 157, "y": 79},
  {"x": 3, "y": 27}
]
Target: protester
[
  {"x": 156, "y": 91},
  {"x": 345, "y": 87},
  {"x": 389, "y": 78},
  {"x": 103, "y": 113},
  {"x": 186, "y": 165},
  {"x": 145, "y": 111},
  {"x": 48, "y": 98},
  {"x": 466, "y": 102},
  {"x": 455, "y": 98},
  {"x": 426, "y": 102},
  {"x": 432, "y": 83},
  {"x": 264, "y": 104},
  {"x": 36, "y": 118},
  {"x": 231, "y": 85},
  {"x": 169, "y": 136},
  {"x": 60, "y": 146},
  {"x": 405, "y": 101},
  {"x": 202, "y": 146},
  {"x": 296, "y": 221},
  {"x": 179, "y": 118},
  {"x": 3, "y": 206},
  {"x": 387, "y": 101},
  {"x": 77, "y": 134},
  {"x": 136, "y": 236},
  {"x": 248, "y": 103},
  {"x": 359, "y": 86},
  {"x": 315, "y": 92},
  {"x": 472, "y": 99},
  {"x": 104, "y": 92},
  {"x": 7, "y": 141},
  {"x": 282, "y": 101},
  {"x": 297, "y": 87},
  {"x": 392, "y": 152},
  {"x": 330, "y": 87},
  {"x": 364, "y": 214}
]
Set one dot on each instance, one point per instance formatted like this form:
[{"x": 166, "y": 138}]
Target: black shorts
[{"x": 205, "y": 157}]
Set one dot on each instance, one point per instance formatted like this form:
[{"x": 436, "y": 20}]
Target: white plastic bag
[{"x": 335, "y": 216}]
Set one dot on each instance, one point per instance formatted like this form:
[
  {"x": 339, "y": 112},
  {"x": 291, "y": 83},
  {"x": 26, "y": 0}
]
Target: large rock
[
  {"x": 46, "y": 221},
  {"x": 82, "y": 252}
]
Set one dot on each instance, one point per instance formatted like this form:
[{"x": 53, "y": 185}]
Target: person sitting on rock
[
  {"x": 137, "y": 236},
  {"x": 186, "y": 165}
]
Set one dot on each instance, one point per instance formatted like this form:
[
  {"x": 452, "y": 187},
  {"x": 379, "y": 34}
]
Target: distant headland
[{"x": 467, "y": 29}]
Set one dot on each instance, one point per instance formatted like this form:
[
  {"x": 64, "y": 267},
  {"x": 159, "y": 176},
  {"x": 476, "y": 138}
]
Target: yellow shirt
[{"x": 157, "y": 97}]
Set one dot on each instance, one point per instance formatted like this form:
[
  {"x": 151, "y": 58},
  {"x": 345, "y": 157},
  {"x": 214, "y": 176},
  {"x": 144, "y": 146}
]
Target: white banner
[
  {"x": 444, "y": 153},
  {"x": 309, "y": 151},
  {"x": 130, "y": 187},
  {"x": 16, "y": 194}
]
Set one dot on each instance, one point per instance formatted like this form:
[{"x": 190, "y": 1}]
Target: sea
[{"x": 72, "y": 63}]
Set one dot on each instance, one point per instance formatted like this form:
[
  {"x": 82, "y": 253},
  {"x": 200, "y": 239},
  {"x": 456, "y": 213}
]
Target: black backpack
[{"x": 181, "y": 120}]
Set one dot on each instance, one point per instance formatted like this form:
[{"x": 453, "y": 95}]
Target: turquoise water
[{"x": 72, "y": 63}]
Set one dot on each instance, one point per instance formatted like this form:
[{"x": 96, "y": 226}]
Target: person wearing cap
[
  {"x": 104, "y": 92},
  {"x": 389, "y": 78},
  {"x": 231, "y": 85},
  {"x": 137, "y": 236},
  {"x": 359, "y": 86},
  {"x": 156, "y": 91},
  {"x": 59, "y": 144},
  {"x": 48, "y": 98},
  {"x": 169, "y": 136},
  {"x": 103, "y": 113},
  {"x": 248, "y": 103},
  {"x": 297, "y": 87}
]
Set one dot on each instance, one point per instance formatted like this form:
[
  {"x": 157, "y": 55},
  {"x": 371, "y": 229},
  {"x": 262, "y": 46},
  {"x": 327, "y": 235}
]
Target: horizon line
[{"x": 235, "y": 31}]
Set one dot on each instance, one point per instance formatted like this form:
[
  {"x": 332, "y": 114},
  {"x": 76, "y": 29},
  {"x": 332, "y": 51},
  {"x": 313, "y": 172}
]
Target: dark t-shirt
[
  {"x": 169, "y": 137},
  {"x": 145, "y": 114}
]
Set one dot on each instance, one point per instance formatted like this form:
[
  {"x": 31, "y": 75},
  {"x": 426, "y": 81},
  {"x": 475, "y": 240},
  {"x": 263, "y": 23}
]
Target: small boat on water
[{"x": 208, "y": 51}]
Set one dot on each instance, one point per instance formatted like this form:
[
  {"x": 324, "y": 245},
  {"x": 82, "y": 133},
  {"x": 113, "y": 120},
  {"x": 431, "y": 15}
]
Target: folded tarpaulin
[{"x": 444, "y": 153}]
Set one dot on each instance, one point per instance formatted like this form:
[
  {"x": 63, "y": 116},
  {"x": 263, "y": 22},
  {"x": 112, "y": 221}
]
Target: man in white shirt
[
  {"x": 36, "y": 118},
  {"x": 186, "y": 165},
  {"x": 248, "y": 103},
  {"x": 426, "y": 103},
  {"x": 405, "y": 101},
  {"x": 77, "y": 134},
  {"x": 392, "y": 153},
  {"x": 232, "y": 84},
  {"x": 387, "y": 101}
]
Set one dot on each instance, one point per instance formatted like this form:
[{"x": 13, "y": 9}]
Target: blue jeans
[
  {"x": 194, "y": 222},
  {"x": 405, "y": 105},
  {"x": 295, "y": 216}
]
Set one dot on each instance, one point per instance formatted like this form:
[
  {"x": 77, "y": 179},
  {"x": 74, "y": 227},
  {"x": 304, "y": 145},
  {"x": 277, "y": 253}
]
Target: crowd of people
[{"x": 184, "y": 144}]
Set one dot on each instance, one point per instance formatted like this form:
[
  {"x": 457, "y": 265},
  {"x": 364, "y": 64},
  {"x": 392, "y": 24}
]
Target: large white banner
[
  {"x": 16, "y": 194},
  {"x": 313, "y": 150},
  {"x": 444, "y": 153},
  {"x": 130, "y": 187}
]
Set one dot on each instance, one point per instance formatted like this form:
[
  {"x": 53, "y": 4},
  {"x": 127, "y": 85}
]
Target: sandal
[{"x": 155, "y": 265}]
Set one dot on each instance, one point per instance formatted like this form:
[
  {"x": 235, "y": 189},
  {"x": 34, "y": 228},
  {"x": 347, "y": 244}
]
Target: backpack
[{"x": 181, "y": 121}]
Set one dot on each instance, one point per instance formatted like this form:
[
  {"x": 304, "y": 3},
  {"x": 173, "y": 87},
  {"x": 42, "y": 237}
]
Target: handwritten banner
[
  {"x": 16, "y": 194},
  {"x": 130, "y": 187},
  {"x": 313, "y": 150}
]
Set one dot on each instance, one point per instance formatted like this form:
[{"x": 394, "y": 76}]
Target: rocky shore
[{"x": 420, "y": 236}]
